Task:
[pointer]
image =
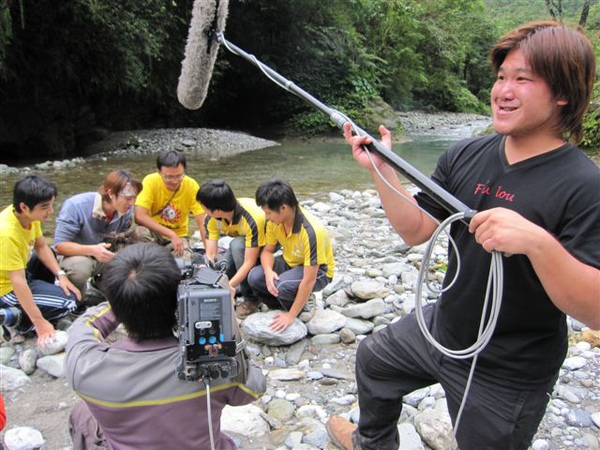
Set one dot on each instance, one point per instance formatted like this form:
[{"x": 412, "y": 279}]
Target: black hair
[
  {"x": 33, "y": 190},
  {"x": 170, "y": 158},
  {"x": 564, "y": 58},
  {"x": 276, "y": 193},
  {"x": 141, "y": 286},
  {"x": 217, "y": 194}
]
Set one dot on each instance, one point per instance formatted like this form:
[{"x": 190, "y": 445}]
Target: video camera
[{"x": 206, "y": 325}]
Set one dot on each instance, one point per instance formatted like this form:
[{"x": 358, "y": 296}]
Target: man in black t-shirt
[{"x": 538, "y": 200}]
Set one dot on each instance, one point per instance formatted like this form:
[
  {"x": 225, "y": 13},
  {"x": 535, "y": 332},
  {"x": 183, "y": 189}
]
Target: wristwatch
[{"x": 60, "y": 272}]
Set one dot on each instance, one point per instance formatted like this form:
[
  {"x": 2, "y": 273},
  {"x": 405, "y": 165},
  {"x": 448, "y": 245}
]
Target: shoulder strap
[{"x": 166, "y": 204}]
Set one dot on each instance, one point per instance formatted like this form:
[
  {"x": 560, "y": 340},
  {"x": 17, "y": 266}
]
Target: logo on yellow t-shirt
[
  {"x": 298, "y": 250},
  {"x": 171, "y": 213}
]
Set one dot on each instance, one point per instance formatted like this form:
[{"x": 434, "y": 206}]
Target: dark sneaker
[
  {"x": 310, "y": 304},
  {"x": 308, "y": 312},
  {"x": 12, "y": 335},
  {"x": 92, "y": 296},
  {"x": 10, "y": 316},
  {"x": 64, "y": 324},
  {"x": 246, "y": 308}
]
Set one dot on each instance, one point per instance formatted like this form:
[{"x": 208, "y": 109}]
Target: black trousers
[{"x": 398, "y": 360}]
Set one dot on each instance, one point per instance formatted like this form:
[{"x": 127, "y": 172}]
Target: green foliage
[
  {"x": 591, "y": 123},
  {"x": 508, "y": 14},
  {"x": 310, "y": 42},
  {"x": 391, "y": 31},
  {"x": 429, "y": 46},
  {"x": 5, "y": 33},
  {"x": 69, "y": 67},
  {"x": 310, "y": 122},
  {"x": 465, "y": 101}
]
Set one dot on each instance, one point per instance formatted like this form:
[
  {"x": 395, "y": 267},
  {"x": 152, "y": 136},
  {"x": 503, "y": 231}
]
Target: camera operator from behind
[{"x": 132, "y": 395}]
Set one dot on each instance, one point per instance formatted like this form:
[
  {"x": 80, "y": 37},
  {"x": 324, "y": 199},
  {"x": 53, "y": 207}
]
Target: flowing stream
[{"x": 313, "y": 169}]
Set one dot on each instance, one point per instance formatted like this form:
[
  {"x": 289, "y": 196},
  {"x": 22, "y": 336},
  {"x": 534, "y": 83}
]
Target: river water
[{"x": 313, "y": 169}]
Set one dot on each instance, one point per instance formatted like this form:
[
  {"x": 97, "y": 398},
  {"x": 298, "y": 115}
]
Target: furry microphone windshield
[{"x": 201, "y": 50}]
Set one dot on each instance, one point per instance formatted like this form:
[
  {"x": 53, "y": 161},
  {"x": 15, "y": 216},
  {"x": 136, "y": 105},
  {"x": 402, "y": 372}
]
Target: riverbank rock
[
  {"x": 443, "y": 124},
  {"x": 12, "y": 379},
  {"x": 256, "y": 327},
  {"x": 213, "y": 143},
  {"x": 56, "y": 344},
  {"x": 23, "y": 438}
]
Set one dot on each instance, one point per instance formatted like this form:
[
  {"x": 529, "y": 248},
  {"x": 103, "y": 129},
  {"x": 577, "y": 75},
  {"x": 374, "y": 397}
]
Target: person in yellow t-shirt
[
  {"x": 307, "y": 262},
  {"x": 29, "y": 292},
  {"x": 241, "y": 219},
  {"x": 167, "y": 198}
]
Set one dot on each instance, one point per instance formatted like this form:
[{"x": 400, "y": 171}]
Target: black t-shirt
[{"x": 557, "y": 190}]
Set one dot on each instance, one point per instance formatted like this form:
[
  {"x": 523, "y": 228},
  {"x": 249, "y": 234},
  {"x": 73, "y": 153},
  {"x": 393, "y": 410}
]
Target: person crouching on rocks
[
  {"x": 34, "y": 291},
  {"x": 286, "y": 282},
  {"x": 88, "y": 220},
  {"x": 244, "y": 221}
]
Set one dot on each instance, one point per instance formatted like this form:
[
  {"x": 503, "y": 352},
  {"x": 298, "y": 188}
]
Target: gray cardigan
[{"x": 133, "y": 390}]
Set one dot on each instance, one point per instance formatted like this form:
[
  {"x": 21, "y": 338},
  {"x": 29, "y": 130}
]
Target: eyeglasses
[
  {"x": 173, "y": 177},
  {"x": 128, "y": 197}
]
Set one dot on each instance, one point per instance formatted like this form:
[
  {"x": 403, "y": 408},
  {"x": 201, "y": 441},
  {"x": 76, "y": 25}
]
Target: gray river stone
[
  {"x": 325, "y": 321},
  {"x": 257, "y": 327},
  {"x": 11, "y": 379},
  {"x": 368, "y": 289}
]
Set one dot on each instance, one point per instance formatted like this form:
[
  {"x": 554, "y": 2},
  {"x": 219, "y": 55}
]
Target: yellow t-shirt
[
  {"x": 175, "y": 214},
  {"x": 307, "y": 244},
  {"x": 248, "y": 220},
  {"x": 15, "y": 246}
]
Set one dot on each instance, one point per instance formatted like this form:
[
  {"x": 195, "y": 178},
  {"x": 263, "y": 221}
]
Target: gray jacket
[{"x": 133, "y": 390}]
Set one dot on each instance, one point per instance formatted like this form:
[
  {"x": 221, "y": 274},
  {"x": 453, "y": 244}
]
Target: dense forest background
[{"x": 70, "y": 71}]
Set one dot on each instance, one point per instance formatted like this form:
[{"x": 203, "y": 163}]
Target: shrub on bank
[{"x": 591, "y": 123}]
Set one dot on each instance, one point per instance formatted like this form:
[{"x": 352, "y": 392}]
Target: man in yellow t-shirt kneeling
[
  {"x": 240, "y": 219},
  {"x": 307, "y": 262},
  {"x": 167, "y": 198},
  {"x": 34, "y": 292}
]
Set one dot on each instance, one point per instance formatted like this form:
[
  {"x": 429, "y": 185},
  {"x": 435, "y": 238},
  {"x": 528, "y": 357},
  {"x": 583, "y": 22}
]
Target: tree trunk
[
  {"x": 585, "y": 10},
  {"x": 554, "y": 8}
]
